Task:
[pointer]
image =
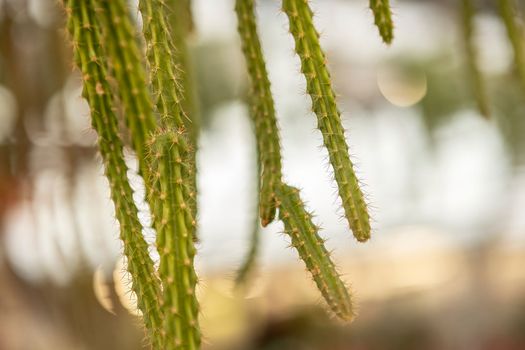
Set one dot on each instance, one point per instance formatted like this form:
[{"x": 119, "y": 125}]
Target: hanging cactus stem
[
  {"x": 305, "y": 239},
  {"x": 319, "y": 87},
  {"x": 85, "y": 34}
]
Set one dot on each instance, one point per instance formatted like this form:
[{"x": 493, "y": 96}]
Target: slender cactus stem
[
  {"x": 160, "y": 53},
  {"x": 85, "y": 34},
  {"x": 383, "y": 19},
  {"x": 263, "y": 112},
  {"x": 174, "y": 241},
  {"x": 318, "y": 82},
  {"x": 509, "y": 12},
  {"x": 181, "y": 23},
  {"x": 305, "y": 239},
  {"x": 476, "y": 79},
  {"x": 127, "y": 67}
]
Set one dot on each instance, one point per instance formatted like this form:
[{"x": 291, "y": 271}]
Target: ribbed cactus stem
[
  {"x": 318, "y": 83},
  {"x": 262, "y": 110},
  {"x": 476, "y": 79},
  {"x": 509, "y": 13},
  {"x": 305, "y": 239},
  {"x": 167, "y": 92},
  {"x": 174, "y": 241},
  {"x": 127, "y": 65},
  {"x": 181, "y": 23},
  {"x": 85, "y": 34},
  {"x": 383, "y": 19}
]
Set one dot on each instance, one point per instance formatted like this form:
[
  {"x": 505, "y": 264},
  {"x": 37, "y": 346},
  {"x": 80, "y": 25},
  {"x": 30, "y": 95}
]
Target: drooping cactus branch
[
  {"x": 383, "y": 19},
  {"x": 86, "y": 38},
  {"x": 174, "y": 241},
  {"x": 305, "y": 239},
  {"x": 263, "y": 111},
  {"x": 297, "y": 221},
  {"x": 476, "y": 79},
  {"x": 319, "y": 87},
  {"x": 127, "y": 66},
  {"x": 166, "y": 88}
]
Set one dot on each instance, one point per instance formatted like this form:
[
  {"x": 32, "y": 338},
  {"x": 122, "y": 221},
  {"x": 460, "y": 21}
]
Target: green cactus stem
[
  {"x": 127, "y": 66},
  {"x": 164, "y": 78},
  {"x": 383, "y": 19},
  {"x": 305, "y": 239},
  {"x": 262, "y": 110},
  {"x": 318, "y": 82},
  {"x": 86, "y": 38},
  {"x": 476, "y": 79},
  {"x": 174, "y": 241}
]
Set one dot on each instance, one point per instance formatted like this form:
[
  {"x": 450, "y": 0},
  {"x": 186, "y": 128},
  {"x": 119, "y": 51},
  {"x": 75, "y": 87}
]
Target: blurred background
[{"x": 445, "y": 266}]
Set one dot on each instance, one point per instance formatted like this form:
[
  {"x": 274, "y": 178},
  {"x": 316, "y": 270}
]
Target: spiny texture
[
  {"x": 174, "y": 241},
  {"x": 263, "y": 112},
  {"x": 299, "y": 226},
  {"x": 476, "y": 79},
  {"x": 509, "y": 13},
  {"x": 318, "y": 83},
  {"x": 127, "y": 67},
  {"x": 383, "y": 19},
  {"x": 181, "y": 23},
  {"x": 85, "y": 34},
  {"x": 160, "y": 54}
]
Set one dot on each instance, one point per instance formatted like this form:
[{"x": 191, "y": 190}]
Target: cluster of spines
[
  {"x": 383, "y": 19},
  {"x": 319, "y": 87},
  {"x": 305, "y": 239},
  {"x": 476, "y": 79},
  {"x": 509, "y": 12},
  {"x": 174, "y": 239},
  {"x": 85, "y": 34},
  {"x": 263, "y": 111},
  {"x": 127, "y": 67}
]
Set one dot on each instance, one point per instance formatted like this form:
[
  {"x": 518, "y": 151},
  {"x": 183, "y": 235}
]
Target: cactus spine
[
  {"x": 383, "y": 19},
  {"x": 85, "y": 34},
  {"x": 318, "y": 82},
  {"x": 476, "y": 79}
]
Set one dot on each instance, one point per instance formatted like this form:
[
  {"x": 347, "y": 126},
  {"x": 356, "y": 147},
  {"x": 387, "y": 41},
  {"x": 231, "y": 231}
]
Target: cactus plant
[{"x": 156, "y": 95}]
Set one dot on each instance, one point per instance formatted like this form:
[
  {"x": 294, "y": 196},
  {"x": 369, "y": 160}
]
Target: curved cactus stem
[
  {"x": 509, "y": 11},
  {"x": 262, "y": 110},
  {"x": 174, "y": 241},
  {"x": 127, "y": 67},
  {"x": 318, "y": 83},
  {"x": 476, "y": 79},
  {"x": 305, "y": 239},
  {"x": 383, "y": 19},
  {"x": 85, "y": 34}
]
